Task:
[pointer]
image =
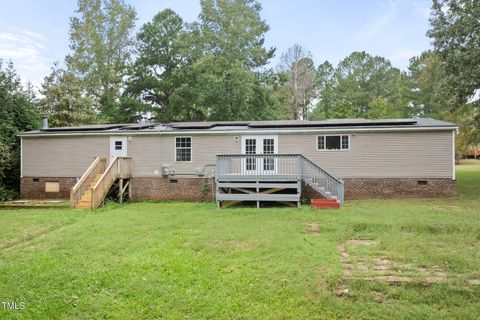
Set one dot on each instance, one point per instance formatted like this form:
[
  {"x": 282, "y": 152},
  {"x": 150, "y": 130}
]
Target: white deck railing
[{"x": 278, "y": 167}]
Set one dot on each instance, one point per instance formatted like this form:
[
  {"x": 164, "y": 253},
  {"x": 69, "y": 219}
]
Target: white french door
[{"x": 259, "y": 145}]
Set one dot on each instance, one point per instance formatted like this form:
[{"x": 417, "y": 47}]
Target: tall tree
[
  {"x": 17, "y": 114},
  {"x": 64, "y": 99},
  {"x": 234, "y": 57},
  {"x": 297, "y": 64},
  {"x": 429, "y": 89},
  {"x": 162, "y": 72},
  {"x": 455, "y": 29},
  {"x": 101, "y": 45},
  {"x": 325, "y": 83},
  {"x": 363, "y": 86}
]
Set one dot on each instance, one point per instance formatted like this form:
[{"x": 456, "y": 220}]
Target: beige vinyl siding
[
  {"x": 150, "y": 153},
  {"x": 61, "y": 157},
  {"x": 145, "y": 152},
  {"x": 376, "y": 155},
  {"x": 380, "y": 155}
]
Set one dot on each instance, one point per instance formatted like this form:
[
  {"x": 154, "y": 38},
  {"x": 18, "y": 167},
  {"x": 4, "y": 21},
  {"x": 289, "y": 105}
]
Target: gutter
[{"x": 240, "y": 132}]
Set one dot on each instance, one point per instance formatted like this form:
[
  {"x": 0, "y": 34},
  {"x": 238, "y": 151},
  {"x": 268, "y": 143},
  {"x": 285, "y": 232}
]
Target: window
[
  {"x": 118, "y": 145},
  {"x": 183, "y": 149},
  {"x": 340, "y": 142}
]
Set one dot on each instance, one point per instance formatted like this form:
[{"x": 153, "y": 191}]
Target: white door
[
  {"x": 259, "y": 145},
  {"x": 118, "y": 147}
]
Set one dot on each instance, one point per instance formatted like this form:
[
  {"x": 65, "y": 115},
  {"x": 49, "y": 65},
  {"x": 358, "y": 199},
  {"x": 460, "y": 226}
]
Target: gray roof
[{"x": 280, "y": 125}]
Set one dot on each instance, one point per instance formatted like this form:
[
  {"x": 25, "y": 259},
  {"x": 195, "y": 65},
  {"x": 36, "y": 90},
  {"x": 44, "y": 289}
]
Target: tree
[
  {"x": 298, "y": 65},
  {"x": 234, "y": 57},
  {"x": 455, "y": 30},
  {"x": 428, "y": 87},
  {"x": 101, "y": 45},
  {"x": 360, "y": 83},
  {"x": 64, "y": 99},
  {"x": 162, "y": 72},
  {"x": 280, "y": 94},
  {"x": 378, "y": 108},
  {"x": 325, "y": 83},
  {"x": 17, "y": 114}
]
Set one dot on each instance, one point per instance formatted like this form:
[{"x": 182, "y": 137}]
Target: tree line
[{"x": 219, "y": 68}]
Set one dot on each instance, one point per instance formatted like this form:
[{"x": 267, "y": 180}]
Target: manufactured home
[{"x": 230, "y": 162}]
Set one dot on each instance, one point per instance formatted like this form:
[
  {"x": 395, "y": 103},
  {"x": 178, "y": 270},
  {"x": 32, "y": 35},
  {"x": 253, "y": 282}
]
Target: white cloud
[
  {"x": 377, "y": 22},
  {"x": 421, "y": 8},
  {"x": 394, "y": 29},
  {"x": 26, "y": 49}
]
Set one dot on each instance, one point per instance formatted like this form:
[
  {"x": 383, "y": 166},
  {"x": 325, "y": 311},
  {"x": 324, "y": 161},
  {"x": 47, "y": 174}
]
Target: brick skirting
[
  {"x": 365, "y": 188},
  {"x": 185, "y": 189},
  {"x": 203, "y": 189},
  {"x": 34, "y": 188}
]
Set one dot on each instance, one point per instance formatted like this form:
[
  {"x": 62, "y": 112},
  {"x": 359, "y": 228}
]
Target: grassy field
[{"x": 376, "y": 259}]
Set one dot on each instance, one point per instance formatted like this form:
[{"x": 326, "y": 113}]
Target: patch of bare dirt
[
  {"x": 379, "y": 297},
  {"x": 363, "y": 242},
  {"x": 313, "y": 227},
  {"x": 383, "y": 268},
  {"x": 341, "y": 291}
]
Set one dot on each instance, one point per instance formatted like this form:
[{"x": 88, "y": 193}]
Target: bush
[{"x": 6, "y": 194}]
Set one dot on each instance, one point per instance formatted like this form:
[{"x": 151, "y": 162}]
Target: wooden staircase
[
  {"x": 92, "y": 188},
  {"x": 85, "y": 201}
]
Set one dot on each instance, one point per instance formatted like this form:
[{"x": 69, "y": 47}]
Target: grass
[{"x": 192, "y": 261}]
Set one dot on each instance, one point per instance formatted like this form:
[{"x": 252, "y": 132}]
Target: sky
[{"x": 34, "y": 33}]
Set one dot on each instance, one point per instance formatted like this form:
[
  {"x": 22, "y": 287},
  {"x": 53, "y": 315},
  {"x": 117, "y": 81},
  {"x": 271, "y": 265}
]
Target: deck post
[
  {"x": 130, "y": 190},
  {"x": 258, "y": 191},
  {"x": 120, "y": 190},
  {"x": 299, "y": 191}
]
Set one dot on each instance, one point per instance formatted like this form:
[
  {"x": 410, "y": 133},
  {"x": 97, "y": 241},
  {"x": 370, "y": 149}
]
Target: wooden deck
[{"x": 270, "y": 178}]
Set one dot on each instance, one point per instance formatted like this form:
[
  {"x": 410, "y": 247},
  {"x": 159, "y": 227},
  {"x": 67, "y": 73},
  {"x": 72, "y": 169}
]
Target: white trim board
[
  {"x": 453, "y": 156},
  {"x": 21, "y": 157}
]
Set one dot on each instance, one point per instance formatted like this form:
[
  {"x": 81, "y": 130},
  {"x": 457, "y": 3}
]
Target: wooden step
[
  {"x": 83, "y": 205},
  {"x": 325, "y": 203},
  {"x": 86, "y": 198}
]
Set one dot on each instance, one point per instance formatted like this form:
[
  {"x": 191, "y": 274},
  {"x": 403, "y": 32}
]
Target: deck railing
[
  {"x": 278, "y": 167},
  {"x": 321, "y": 180},
  {"x": 97, "y": 167},
  {"x": 119, "y": 168},
  {"x": 258, "y": 166}
]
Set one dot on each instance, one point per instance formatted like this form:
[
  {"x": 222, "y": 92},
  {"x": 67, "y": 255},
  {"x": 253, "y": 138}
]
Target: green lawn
[{"x": 192, "y": 261}]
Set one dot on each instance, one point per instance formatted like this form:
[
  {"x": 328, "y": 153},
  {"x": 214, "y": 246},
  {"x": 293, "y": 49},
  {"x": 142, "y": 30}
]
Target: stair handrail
[
  {"x": 331, "y": 183},
  {"x": 120, "y": 167},
  {"x": 320, "y": 168},
  {"x": 97, "y": 166}
]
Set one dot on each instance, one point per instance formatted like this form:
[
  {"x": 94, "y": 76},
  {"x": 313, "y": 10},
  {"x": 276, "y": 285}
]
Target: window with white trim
[
  {"x": 333, "y": 142},
  {"x": 183, "y": 149}
]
